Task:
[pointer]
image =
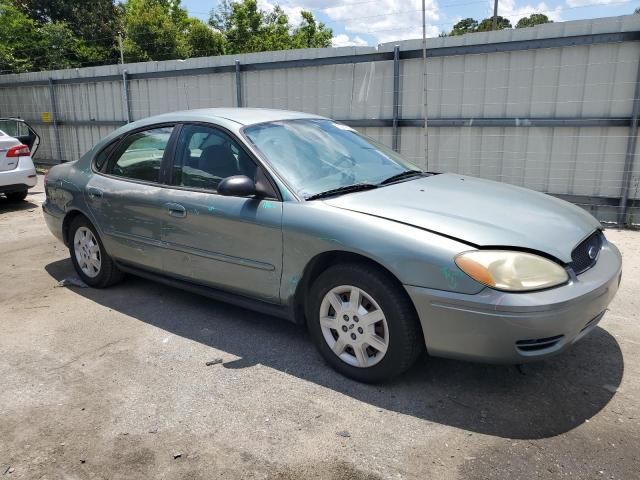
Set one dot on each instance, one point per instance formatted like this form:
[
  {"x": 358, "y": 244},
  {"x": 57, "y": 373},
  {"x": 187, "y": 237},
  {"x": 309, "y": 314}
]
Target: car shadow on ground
[
  {"x": 12, "y": 206},
  {"x": 535, "y": 401}
]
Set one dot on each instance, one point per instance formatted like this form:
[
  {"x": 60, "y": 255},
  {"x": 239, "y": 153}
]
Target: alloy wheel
[
  {"x": 354, "y": 326},
  {"x": 87, "y": 251}
]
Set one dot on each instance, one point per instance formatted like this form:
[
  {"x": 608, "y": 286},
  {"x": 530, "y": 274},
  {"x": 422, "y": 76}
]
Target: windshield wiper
[
  {"x": 358, "y": 187},
  {"x": 401, "y": 176}
]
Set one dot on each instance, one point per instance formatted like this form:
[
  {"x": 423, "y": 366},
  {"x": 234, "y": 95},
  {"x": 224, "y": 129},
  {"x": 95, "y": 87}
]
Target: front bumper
[
  {"x": 20, "y": 178},
  {"x": 500, "y": 327}
]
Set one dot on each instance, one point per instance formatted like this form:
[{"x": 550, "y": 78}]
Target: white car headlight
[{"x": 512, "y": 271}]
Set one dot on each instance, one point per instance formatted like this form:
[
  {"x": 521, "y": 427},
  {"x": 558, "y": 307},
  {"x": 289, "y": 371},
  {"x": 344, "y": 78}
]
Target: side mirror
[{"x": 237, "y": 186}]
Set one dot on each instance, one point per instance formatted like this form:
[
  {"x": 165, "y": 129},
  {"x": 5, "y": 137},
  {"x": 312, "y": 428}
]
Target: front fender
[{"x": 414, "y": 256}]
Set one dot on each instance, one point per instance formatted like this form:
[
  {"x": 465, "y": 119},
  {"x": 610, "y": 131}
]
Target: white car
[{"x": 18, "y": 142}]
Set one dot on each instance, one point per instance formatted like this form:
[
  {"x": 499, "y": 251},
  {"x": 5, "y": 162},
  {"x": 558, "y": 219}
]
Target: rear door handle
[
  {"x": 176, "y": 210},
  {"x": 95, "y": 193}
]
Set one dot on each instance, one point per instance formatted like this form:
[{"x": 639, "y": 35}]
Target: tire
[
  {"x": 95, "y": 267},
  {"x": 380, "y": 295},
  {"x": 16, "y": 196}
]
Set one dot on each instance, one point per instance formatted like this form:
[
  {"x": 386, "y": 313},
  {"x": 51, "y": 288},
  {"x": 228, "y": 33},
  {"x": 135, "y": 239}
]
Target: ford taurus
[{"x": 301, "y": 217}]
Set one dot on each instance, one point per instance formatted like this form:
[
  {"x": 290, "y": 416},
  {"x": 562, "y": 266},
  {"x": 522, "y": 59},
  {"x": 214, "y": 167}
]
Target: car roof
[
  {"x": 242, "y": 116},
  {"x": 233, "y": 118}
]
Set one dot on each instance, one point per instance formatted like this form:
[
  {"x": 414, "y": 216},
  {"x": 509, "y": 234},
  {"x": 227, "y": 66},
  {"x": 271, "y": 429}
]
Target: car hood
[{"x": 479, "y": 212}]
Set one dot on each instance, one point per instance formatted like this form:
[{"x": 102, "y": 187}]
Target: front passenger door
[{"x": 230, "y": 243}]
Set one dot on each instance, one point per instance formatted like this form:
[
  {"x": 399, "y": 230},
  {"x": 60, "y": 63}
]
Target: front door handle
[
  {"x": 176, "y": 210},
  {"x": 95, "y": 193}
]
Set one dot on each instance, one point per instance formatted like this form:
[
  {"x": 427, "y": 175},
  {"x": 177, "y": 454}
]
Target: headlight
[{"x": 513, "y": 271}]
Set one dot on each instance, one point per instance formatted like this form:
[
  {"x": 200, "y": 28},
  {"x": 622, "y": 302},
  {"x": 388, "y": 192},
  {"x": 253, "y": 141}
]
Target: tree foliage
[
  {"x": 26, "y": 44},
  {"x": 533, "y": 20},
  {"x": 471, "y": 25},
  {"x": 466, "y": 25},
  {"x": 153, "y": 31},
  {"x": 247, "y": 28},
  {"x": 95, "y": 22},
  {"x": 486, "y": 25},
  {"x": 203, "y": 41},
  {"x": 52, "y": 34},
  {"x": 17, "y": 44},
  {"x": 310, "y": 33}
]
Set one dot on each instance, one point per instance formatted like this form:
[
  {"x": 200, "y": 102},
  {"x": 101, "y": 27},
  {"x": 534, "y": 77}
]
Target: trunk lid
[
  {"x": 479, "y": 212},
  {"x": 6, "y": 142}
]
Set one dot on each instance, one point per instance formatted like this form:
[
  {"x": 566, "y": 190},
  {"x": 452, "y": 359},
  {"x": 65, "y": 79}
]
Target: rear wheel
[
  {"x": 92, "y": 263},
  {"x": 363, "y": 323},
  {"x": 16, "y": 196}
]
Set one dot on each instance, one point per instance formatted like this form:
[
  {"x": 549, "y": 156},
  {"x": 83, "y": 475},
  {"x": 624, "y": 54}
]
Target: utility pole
[
  {"x": 121, "y": 50},
  {"x": 424, "y": 84},
  {"x": 494, "y": 24}
]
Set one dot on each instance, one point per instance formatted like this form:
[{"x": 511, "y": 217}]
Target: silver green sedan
[{"x": 298, "y": 216}]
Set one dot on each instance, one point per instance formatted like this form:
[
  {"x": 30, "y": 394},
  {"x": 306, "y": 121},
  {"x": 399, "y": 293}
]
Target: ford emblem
[{"x": 592, "y": 252}]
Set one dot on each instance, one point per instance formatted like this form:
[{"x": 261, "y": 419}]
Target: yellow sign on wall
[{"x": 45, "y": 117}]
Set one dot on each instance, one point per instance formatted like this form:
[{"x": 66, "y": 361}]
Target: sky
[{"x": 369, "y": 22}]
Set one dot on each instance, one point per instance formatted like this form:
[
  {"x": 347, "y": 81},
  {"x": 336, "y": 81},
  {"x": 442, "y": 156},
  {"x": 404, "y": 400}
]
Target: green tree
[
  {"x": 311, "y": 33},
  {"x": 486, "y": 25},
  {"x": 532, "y": 20},
  {"x": 62, "y": 46},
  {"x": 273, "y": 33},
  {"x": 466, "y": 25},
  {"x": 95, "y": 22},
  {"x": 204, "y": 41},
  {"x": 247, "y": 29},
  {"x": 154, "y": 30},
  {"x": 18, "y": 40},
  {"x": 243, "y": 25},
  {"x": 220, "y": 19},
  {"x": 28, "y": 45}
]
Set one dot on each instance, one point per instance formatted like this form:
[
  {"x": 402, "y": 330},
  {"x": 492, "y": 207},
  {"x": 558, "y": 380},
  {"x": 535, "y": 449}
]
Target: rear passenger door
[
  {"x": 14, "y": 131},
  {"x": 232, "y": 243},
  {"x": 126, "y": 196}
]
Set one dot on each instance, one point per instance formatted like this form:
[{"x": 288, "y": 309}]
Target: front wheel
[
  {"x": 92, "y": 263},
  {"x": 363, "y": 323}
]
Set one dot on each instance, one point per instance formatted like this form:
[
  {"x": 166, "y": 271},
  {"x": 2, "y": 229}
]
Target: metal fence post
[
  {"x": 396, "y": 97},
  {"x": 54, "y": 114},
  {"x": 125, "y": 95},
  {"x": 630, "y": 154},
  {"x": 238, "y": 85}
]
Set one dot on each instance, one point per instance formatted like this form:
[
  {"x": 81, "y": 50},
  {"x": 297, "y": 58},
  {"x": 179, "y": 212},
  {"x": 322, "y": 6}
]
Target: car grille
[{"x": 580, "y": 258}]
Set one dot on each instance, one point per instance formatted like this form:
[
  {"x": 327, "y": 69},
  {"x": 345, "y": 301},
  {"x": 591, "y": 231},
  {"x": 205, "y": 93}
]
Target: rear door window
[
  {"x": 104, "y": 154},
  {"x": 139, "y": 156}
]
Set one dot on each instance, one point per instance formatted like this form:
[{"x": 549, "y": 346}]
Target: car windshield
[{"x": 316, "y": 155}]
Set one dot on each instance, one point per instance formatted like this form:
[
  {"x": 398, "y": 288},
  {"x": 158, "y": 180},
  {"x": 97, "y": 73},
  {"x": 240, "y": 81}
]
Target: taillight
[{"x": 18, "y": 151}]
